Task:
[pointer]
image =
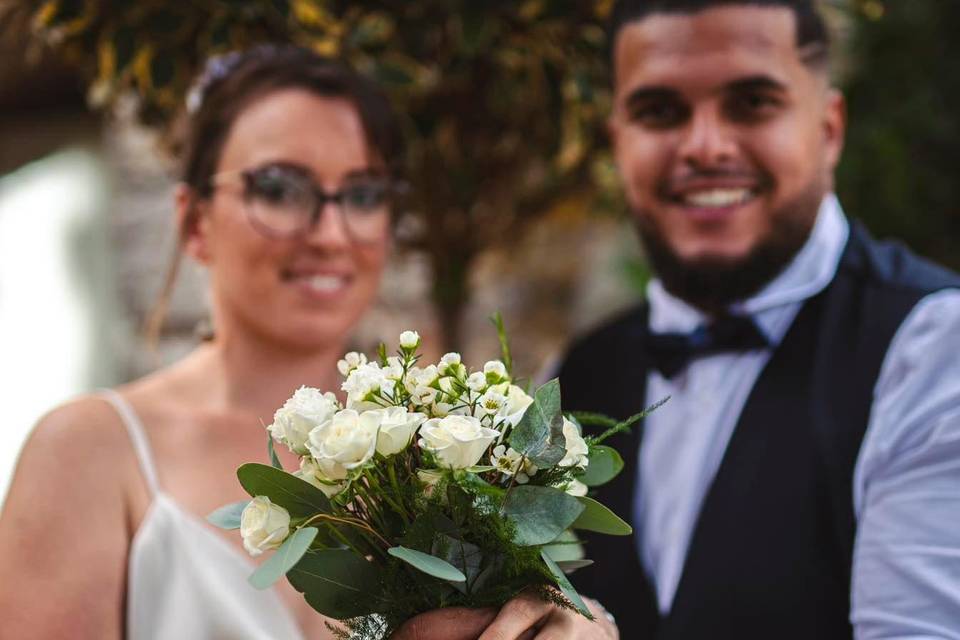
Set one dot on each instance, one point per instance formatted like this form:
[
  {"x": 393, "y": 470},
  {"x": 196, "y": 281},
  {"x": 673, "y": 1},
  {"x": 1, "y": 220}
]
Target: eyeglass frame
[{"x": 321, "y": 195}]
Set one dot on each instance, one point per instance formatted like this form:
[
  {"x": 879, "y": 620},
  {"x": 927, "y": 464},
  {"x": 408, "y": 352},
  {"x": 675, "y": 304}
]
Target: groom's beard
[{"x": 713, "y": 284}]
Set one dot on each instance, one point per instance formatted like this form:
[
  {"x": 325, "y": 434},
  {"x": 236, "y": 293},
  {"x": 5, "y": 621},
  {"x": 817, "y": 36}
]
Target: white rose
[
  {"x": 263, "y": 525},
  {"x": 310, "y": 472},
  {"x": 516, "y": 405},
  {"x": 495, "y": 371},
  {"x": 350, "y": 362},
  {"x": 458, "y": 442},
  {"x": 397, "y": 427},
  {"x": 409, "y": 340},
  {"x": 577, "y": 450},
  {"x": 306, "y": 409},
  {"x": 345, "y": 442}
]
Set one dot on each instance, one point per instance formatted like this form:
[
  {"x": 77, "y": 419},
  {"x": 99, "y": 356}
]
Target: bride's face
[{"x": 303, "y": 291}]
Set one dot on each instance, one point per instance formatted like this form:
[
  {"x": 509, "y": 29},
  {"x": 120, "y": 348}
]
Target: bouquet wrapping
[{"x": 429, "y": 487}]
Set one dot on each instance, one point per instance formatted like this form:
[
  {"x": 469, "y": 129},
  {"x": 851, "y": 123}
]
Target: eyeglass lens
[{"x": 283, "y": 201}]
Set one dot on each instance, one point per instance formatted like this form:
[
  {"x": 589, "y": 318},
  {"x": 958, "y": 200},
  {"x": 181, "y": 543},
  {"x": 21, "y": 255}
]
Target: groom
[{"x": 803, "y": 481}]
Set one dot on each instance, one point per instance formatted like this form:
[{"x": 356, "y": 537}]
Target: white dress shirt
[{"x": 906, "y": 496}]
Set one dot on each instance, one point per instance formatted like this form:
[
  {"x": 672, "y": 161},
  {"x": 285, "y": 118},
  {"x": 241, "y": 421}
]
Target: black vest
[{"x": 771, "y": 551}]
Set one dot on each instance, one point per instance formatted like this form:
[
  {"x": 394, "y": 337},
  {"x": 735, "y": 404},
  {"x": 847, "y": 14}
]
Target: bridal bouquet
[{"x": 430, "y": 487}]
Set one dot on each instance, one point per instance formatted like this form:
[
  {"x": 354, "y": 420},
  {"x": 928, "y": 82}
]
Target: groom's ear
[{"x": 192, "y": 224}]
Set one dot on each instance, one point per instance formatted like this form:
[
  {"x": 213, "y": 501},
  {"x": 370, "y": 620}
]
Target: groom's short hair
[{"x": 812, "y": 34}]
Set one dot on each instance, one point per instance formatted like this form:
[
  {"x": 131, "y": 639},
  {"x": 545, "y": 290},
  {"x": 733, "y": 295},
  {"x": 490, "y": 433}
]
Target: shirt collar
[{"x": 810, "y": 271}]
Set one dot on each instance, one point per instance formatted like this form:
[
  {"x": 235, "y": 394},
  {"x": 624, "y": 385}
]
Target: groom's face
[{"x": 724, "y": 136}]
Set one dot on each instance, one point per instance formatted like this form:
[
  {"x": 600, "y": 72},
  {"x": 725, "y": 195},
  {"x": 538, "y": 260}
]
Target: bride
[{"x": 287, "y": 199}]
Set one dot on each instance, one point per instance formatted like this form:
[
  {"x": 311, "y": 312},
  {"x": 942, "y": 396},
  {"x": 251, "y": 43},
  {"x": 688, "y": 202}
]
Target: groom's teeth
[
  {"x": 325, "y": 284},
  {"x": 716, "y": 198}
]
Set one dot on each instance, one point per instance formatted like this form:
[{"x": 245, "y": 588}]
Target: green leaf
[
  {"x": 228, "y": 516},
  {"x": 300, "y": 498},
  {"x": 569, "y": 566},
  {"x": 465, "y": 557},
  {"x": 566, "y": 548},
  {"x": 539, "y": 435},
  {"x": 337, "y": 583},
  {"x": 604, "y": 463},
  {"x": 283, "y": 559},
  {"x": 597, "y": 517},
  {"x": 540, "y": 514},
  {"x": 565, "y": 587},
  {"x": 430, "y": 565},
  {"x": 272, "y": 452},
  {"x": 505, "y": 356}
]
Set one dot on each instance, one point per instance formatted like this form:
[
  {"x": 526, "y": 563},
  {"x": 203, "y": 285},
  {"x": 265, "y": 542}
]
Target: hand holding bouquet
[{"x": 431, "y": 487}]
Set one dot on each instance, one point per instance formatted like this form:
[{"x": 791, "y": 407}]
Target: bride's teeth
[
  {"x": 717, "y": 197},
  {"x": 325, "y": 283}
]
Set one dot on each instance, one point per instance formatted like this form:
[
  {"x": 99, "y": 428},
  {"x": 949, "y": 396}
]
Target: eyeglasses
[{"x": 285, "y": 202}]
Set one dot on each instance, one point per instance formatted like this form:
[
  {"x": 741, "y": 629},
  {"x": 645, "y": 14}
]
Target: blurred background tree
[
  {"x": 900, "y": 173},
  {"x": 503, "y": 101}
]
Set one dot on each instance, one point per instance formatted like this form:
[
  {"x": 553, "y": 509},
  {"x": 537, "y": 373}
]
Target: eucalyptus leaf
[
  {"x": 228, "y": 516},
  {"x": 283, "y": 558},
  {"x": 428, "y": 564},
  {"x": 566, "y": 548},
  {"x": 604, "y": 464},
  {"x": 569, "y": 566},
  {"x": 539, "y": 434},
  {"x": 337, "y": 583},
  {"x": 466, "y": 557},
  {"x": 300, "y": 498},
  {"x": 272, "y": 452},
  {"x": 540, "y": 514},
  {"x": 565, "y": 587},
  {"x": 597, "y": 517}
]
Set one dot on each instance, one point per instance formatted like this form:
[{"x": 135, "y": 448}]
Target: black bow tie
[{"x": 670, "y": 353}]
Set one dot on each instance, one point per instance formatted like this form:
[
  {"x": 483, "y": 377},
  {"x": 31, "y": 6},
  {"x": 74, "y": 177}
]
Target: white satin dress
[{"x": 184, "y": 581}]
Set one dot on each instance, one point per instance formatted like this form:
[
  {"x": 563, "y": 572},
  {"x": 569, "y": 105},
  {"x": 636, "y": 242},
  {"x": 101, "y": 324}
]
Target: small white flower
[
  {"x": 477, "y": 381},
  {"x": 263, "y": 525},
  {"x": 491, "y": 403},
  {"x": 310, "y": 472},
  {"x": 345, "y": 442},
  {"x": 510, "y": 462},
  {"x": 409, "y": 340},
  {"x": 450, "y": 366},
  {"x": 576, "y": 488},
  {"x": 448, "y": 386},
  {"x": 495, "y": 371},
  {"x": 577, "y": 450},
  {"x": 350, "y": 362},
  {"x": 303, "y": 411},
  {"x": 363, "y": 381},
  {"x": 458, "y": 442},
  {"x": 516, "y": 405},
  {"x": 397, "y": 427}
]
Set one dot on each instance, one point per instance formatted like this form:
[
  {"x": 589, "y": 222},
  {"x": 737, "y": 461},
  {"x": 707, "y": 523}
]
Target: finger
[
  {"x": 451, "y": 623},
  {"x": 524, "y": 613}
]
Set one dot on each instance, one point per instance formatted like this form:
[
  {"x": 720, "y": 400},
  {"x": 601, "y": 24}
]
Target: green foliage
[
  {"x": 272, "y": 453},
  {"x": 565, "y": 587},
  {"x": 597, "y": 517},
  {"x": 300, "y": 498},
  {"x": 899, "y": 172},
  {"x": 283, "y": 559},
  {"x": 430, "y": 565},
  {"x": 539, "y": 434},
  {"x": 228, "y": 516},
  {"x": 338, "y": 583},
  {"x": 604, "y": 464},
  {"x": 540, "y": 514}
]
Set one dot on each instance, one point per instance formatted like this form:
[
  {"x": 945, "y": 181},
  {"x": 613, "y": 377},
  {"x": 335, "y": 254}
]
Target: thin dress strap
[{"x": 138, "y": 437}]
